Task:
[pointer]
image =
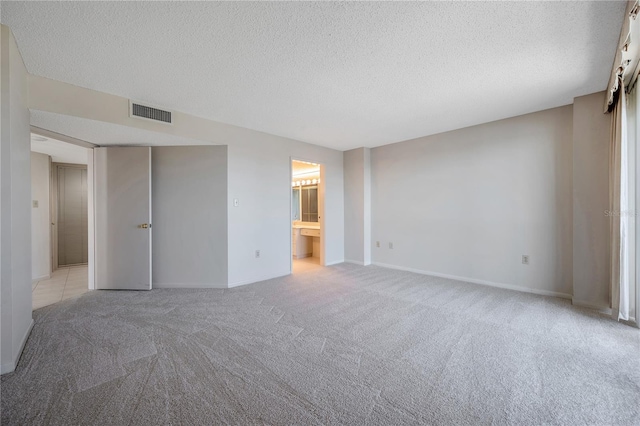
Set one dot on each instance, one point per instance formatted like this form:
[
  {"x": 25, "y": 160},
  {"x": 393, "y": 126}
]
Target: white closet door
[{"x": 123, "y": 218}]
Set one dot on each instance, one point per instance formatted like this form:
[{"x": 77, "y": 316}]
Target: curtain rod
[{"x": 620, "y": 64}]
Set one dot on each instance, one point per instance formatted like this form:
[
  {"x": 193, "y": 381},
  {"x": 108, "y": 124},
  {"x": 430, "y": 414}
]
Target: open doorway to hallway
[
  {"x": 59, "y": 220},
  {"x": 307, "y": 202}
]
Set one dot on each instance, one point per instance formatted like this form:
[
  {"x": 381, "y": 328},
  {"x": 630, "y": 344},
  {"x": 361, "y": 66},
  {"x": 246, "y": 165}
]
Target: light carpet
[{"x": 343, "y": 345}]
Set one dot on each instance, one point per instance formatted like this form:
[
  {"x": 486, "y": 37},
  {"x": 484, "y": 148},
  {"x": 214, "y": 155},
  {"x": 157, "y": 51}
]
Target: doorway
[
  {"x": 307, "y": 212},
  {"x": 61, "y": 189}
]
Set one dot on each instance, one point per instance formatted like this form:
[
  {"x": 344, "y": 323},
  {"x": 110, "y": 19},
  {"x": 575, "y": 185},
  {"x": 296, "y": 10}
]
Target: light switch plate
[
  {"x": 236, "y": 202},
  {"x": 35, "y": 204}
]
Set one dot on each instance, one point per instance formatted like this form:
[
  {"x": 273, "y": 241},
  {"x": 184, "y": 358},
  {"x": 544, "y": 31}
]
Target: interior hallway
[{"x": 65, "y": 283}]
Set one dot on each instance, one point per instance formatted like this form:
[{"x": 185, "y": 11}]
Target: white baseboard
[
  {"x": 334, "y": 263},
  {"x": 358, "y": 262},
  {"x": 187, "y": 285},
  {"x": 477, "y": 281},
  {"x": 603, "y": 309},
  {"x": 257, "y": 280},
  {"x": 9, "y": 367},
  {"x": 44, "y": 277}
]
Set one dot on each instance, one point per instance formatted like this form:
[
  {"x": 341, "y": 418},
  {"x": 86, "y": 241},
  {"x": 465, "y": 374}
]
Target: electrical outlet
[
  {"x": 378, "y": 244},
  {"x": 525, "y": 259},
  {"x": 390, "y": 245},
  {"x": 257, "y": 254}
]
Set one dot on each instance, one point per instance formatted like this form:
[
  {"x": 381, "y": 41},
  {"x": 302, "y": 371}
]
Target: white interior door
[{"x": 123, "y": 218}]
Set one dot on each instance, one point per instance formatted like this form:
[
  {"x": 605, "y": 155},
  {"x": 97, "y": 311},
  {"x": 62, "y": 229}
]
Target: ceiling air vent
[{"x": 146, "y": 112}]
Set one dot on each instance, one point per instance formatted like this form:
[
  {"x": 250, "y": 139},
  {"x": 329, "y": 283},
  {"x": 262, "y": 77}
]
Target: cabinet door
[{"x": 294, "y": 242}]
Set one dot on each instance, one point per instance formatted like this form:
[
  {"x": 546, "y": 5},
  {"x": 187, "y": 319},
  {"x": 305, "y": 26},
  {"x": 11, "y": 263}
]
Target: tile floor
[
  {"x": 64, "y": 283},
  {"x": 306, "y": 264}
]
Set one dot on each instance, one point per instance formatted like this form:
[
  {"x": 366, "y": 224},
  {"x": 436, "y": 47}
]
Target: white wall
[
  {"x": 91, "y": 234},
  {"x": 634, "y": 188},
  {"x": 258, "y": 176},
  {"x": 15, "y": 204},
  {"x": 469, "y": 203},
  {"x": 189, "y": 197},
  {"x": 354, "y": 205},
  {"x": 40, "y": 217},
  {"x": 591, "y": 133},
  {"x": 357, "y": 205},
  {"x": 510, "y": 194},
  {"x": 366, "y": 218}
]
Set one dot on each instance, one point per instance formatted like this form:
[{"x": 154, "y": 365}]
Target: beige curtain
[{"x": 618, "y": 203}]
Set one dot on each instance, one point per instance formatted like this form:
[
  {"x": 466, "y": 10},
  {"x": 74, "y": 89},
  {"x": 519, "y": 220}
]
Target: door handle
[{"x": 144, "y": 226}]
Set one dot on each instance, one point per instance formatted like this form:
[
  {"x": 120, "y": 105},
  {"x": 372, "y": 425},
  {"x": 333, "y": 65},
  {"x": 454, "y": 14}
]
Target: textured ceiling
[{"x": 338, "y": 74}]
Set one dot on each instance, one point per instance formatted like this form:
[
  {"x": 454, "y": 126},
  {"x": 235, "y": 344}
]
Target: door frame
[
  {"x": 90, "y": 197},
  {"x": 321, "y": 209}
]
